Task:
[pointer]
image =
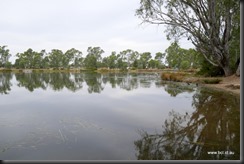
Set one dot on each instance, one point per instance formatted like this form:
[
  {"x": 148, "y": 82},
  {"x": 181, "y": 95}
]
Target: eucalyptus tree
[
  {"x": 79, "y": 61},
  {"x": 129, "y": 56},
  {"x": 56, "y": 58},
  {"x": 112, "y": 60},
  {"x": 29, "y": 59},
  {"x": 194, "y": 58},
  {"x": 105, "y": 62},
  {"x": 71, "y": 56},
  {"x": 93, "y": 57},
  {"x": 133, "y": 58},
  {"x": 174, "y": 55},
  {"x": 153, "y": 63},
  {"x": 209, "y": 24},
  {"x": 24, "y": 59},
  {"x": 121, "y": 63},
  {"x": 159, "y": 58},
  {"x": 4, "y": 56},
  {"x": 144, "y": 59},
  {"x": 38, "y": 59},
  {"x": 177, "y": 57},
  {"x": 46, "y": 62}
]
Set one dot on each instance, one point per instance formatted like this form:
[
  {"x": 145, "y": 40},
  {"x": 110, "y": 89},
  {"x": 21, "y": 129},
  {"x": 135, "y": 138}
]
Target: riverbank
[{"x": 229, "y": 84}]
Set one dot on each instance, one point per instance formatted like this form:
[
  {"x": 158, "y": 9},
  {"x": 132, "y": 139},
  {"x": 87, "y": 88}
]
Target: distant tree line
[{"x": 174, "y": 57}]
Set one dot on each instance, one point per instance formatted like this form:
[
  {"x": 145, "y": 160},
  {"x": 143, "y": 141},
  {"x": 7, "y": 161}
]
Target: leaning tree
[{"x": 208, "y": 24}]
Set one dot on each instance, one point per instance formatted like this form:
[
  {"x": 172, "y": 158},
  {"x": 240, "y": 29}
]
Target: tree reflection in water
[
  {"x": 74, "y": 81},
  {"x": 214, "y": 127},
  {"x": 176, "y": 88},
  {"x": 94, "y": 82},
  {"x": 5, "y": 85}
]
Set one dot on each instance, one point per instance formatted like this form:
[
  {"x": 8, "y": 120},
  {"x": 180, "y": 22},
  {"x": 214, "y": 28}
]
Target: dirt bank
[{"x": 230, "y": 83}]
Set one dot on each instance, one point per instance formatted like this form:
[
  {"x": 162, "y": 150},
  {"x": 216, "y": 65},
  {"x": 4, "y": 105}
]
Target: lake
[{"x": 114, "y": 116}]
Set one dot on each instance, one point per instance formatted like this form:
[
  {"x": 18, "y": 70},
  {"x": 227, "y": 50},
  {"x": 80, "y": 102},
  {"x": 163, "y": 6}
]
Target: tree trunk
[
  {"x": 227, "y": 71},
  {"x": 238, "y": 71}
]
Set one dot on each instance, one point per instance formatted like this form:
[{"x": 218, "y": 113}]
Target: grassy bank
[
  {"x": 189, "y": 78},
  {"x": 229, "y": 84}
]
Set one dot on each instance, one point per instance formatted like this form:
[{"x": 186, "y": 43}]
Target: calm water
[{"x": 85, "y": 116}]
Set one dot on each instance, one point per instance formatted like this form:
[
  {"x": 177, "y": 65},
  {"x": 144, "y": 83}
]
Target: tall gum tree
[
  {"x": 208, "y": 24},
  {"x": 4, "y": 56}
]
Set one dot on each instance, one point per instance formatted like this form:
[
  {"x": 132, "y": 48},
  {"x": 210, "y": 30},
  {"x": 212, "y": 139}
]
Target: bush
[
  {"x": 209, "y": 70},
  {"x": 173, "y": 76},
  {"x": 212, "y": 81},
  {"x": 185, "y": 65}
]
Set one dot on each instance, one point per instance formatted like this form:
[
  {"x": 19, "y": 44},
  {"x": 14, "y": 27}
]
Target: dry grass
[
  {"x": 230, "y": 83},
  {"x": 170, "y": 76}
]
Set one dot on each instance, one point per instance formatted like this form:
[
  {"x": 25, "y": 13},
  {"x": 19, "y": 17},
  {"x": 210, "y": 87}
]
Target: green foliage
[
  {"x": 8, "y": 65},
  {"x": 56, "y": 58},
  {"x": 212, "y": 26},
  {"x": 4, "y": 56},
  {"x": 208, "y": 69},
  {"x": 112, "y": 60},
  {"x": 46, "y": 62},
  {"x": 93, "y": 57},
  {"x": 144, "y": 59},
  {"x": 153, "y": 63},
  {"x": 177, "y": 57},
  {"x": 159, "y": 60},
  {"x": 159, "y": 56},
  {"x": 29, "y": 59},
  {"x": 185, "y": 65},
  {"x": 72, "y": 57}
]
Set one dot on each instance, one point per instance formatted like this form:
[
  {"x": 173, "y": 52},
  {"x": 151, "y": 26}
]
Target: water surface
[{"x": 124, "y": 116}]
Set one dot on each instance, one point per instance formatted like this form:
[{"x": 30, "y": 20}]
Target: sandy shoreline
[{"x": 229, "y": 84}]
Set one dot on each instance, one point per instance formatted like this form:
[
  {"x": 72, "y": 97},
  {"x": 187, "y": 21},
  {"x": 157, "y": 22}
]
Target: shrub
[
  {"x": 208, "y": 69},
  {"x": 165, "y": 76},
  {"x": 212, "y": 81},
  {"x": 173, "y": 76},
  {"x": 185, "y": 65}
]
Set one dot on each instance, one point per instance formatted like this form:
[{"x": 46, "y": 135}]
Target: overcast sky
[{"x": 64, "y": 24}]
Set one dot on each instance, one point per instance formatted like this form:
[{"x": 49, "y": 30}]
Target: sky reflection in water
[{"x": 113, "y": 117}]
